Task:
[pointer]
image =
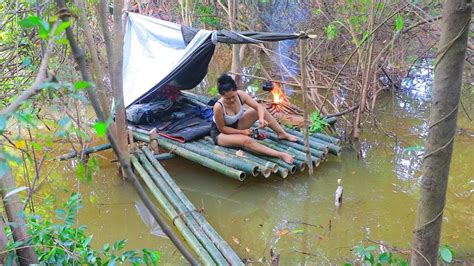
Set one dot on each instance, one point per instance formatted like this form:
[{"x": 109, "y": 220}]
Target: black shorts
[{"x": 215, "y": 131}]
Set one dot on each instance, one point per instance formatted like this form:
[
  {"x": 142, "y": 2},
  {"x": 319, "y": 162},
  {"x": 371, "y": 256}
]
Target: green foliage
[
  {"x": 207, "y": 15},
  {"x": 81, "y": 85},
  {"x": 213, "y": 91},
  {"x": 317, "y": 123},
  {"x": 85, "y": 171},
  {"x": 101, "y": 128},
  {"x": 331, "y": 31},
  {"x": 399, "y": 23},
  {"x": 45, "y": 27},
  {"x": 369, "y": 256},
  {"x": 317, "y": 11},
  {"x": 446, "y": 253},
  {"x": 66, "y": 243}
]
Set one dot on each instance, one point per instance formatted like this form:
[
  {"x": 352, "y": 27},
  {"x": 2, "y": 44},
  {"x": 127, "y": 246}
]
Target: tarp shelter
[{"x": 160, "y": 55}]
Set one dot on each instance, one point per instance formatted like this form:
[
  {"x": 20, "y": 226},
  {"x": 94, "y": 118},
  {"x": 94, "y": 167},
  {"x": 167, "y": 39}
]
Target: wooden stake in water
[{"x": 305, "y": 104}]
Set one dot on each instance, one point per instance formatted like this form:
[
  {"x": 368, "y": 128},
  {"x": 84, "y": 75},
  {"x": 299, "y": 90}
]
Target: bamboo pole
[
  {"x": 313, "y": 144},
  {"x": 332, "y": 148},
  {"x": 315, "y": 160},
  {"x": 216, "y": 166},
  {"x": 290, "y": 151},
  {"x": 263, "y": 168},
  {"x": 276, "y": 168},
  {"x": 315, "y": 152},
  {"x": 165, "y": 156},
  {"x": 247, "y": 155},
  {"x": 327, "y": 138},
  {"x": 248, "y": 167},
  {"x": 305, "y": 104},
  {"x": 73, "y": 154},
  {"x": 182, "y": 212},
  {"x": 220, "y": 243},
  {"x": 171, "y": 212}
]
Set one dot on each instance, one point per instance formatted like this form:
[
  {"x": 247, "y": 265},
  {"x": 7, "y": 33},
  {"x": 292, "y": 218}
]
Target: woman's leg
[
  {"x": 250, "y": 116},
  {"x": 242, "y": 141}
]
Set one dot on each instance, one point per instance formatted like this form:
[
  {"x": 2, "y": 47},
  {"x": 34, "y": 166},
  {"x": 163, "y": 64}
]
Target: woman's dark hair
[{"x": 225, "y": 83}]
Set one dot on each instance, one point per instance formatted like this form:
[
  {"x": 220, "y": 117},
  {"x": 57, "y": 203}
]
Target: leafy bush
[
  {"x": 317, "y": 123},
  {"x": 68, "y": 244},
  {"x": 369, "y": 254}
]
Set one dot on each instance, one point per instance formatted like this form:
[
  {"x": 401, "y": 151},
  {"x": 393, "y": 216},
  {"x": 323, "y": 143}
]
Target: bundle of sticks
[
  {"x": 282, "y": 107},
  {"x": 285, "y": 112}
]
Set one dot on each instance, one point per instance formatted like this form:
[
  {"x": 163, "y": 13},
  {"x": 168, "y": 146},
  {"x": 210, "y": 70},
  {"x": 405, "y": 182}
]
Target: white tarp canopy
[{"x": 152, "y": 49}]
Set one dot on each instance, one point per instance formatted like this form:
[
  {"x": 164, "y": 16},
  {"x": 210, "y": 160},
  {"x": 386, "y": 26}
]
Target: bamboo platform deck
[
  {"x": 227, "y": 162},
  {"x": 242, "y": 164},
  {"x": 210, "y": 248}
]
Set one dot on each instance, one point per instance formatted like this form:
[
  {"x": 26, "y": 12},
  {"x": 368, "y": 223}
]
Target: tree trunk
[
  {"x": 117, "y": 83},
  {"x": 98, "y": 71},
  {"x": 13, "y": 208},
  {"x": 443, "y": 117},
  {"x": 235, "y": 47},
  {"x": 3, "y": 241}
]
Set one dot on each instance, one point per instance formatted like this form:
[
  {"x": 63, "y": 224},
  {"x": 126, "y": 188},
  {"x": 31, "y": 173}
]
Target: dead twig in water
[
  {"x": 304, "y": 223},
  {"x": 304, "y": 253}
]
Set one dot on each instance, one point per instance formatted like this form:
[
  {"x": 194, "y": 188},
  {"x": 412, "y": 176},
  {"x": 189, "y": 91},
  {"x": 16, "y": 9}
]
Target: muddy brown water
[{"x": 296, "y": 216}]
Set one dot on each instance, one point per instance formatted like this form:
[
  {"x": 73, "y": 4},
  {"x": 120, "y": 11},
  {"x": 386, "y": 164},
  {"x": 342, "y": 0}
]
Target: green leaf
[
  {"x": 331, "y": 31},
  {"x": 62, "y": 27},
  {"x": 213, "y": 91},
  {"x": 298, "y": 231},
  {"x": 446, "y": 254},
  {"x": 155, "y": 257},
  {"x": 81, "y": 171},
  {"x": 80, "y": 85},
  {"x": 399, "y": 23},
  {"x": 355, "y": 21},
  {"x": 384, "y": 257},
  {"x": 317, "y": 11},
  {"x": 100, "y": 128},
  {"x": 62, "y": 41},
  {"x": 30, "y": 22},
  {"x": 380, "y": 6}
]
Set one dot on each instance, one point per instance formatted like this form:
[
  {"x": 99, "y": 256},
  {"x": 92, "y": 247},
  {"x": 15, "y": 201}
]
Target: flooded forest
[{"x": 346, "y": 136}]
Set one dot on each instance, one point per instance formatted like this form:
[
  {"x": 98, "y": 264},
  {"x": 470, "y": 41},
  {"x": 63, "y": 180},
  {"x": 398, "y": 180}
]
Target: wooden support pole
[{"x": 305, "y": 104}]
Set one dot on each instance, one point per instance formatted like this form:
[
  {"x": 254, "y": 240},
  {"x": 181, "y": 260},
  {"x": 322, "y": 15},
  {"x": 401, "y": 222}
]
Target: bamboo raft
[
  {"x": 187, "y": 220},
  {"x": 241, "y": 164}
]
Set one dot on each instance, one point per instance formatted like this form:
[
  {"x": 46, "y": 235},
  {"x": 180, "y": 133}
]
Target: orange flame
[{"x": 278, "y": 94}]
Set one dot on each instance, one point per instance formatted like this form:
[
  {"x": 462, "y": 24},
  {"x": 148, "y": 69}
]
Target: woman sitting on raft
[{"x": 231, "y": 126}]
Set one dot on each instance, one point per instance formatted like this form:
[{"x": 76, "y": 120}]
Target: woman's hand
[
  {"x": 262, "y": 123},
  {"x": 247, "y": 132}
]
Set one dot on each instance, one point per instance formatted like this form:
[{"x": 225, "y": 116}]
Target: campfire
[{"x": 280, "y": 103}]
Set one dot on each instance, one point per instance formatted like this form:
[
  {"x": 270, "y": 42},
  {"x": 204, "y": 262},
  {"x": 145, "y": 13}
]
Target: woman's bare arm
[{"x": 246, "y": 99}]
